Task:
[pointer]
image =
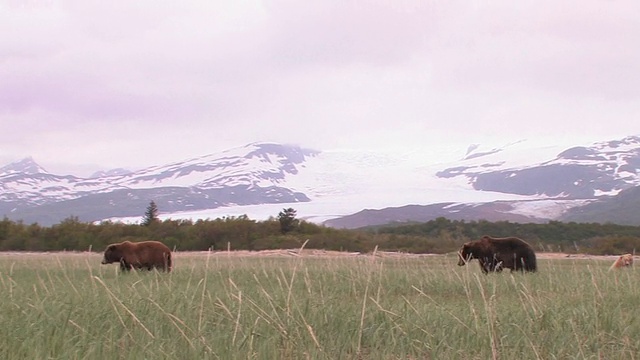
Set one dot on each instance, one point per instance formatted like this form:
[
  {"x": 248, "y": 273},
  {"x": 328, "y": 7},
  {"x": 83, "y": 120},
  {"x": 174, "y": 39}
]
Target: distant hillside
[
  {"x": 492, "y": 211},
  {"x": 623, "y": 209}
]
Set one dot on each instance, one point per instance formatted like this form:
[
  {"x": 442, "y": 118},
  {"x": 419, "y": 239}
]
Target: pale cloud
[{"x": 93, "y": 85}]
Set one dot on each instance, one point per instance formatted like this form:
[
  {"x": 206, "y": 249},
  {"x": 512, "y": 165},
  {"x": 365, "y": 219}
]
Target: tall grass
[{"x": 68, "y": 306}]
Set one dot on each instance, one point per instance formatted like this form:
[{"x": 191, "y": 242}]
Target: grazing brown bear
[
  {"x": 140, "y": 255},
  {"x": 625, "y": 260},
  {"x": 495, "y": 254}
]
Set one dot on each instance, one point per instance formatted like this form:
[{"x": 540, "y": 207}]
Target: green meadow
[{"x": 221, "y": 306}]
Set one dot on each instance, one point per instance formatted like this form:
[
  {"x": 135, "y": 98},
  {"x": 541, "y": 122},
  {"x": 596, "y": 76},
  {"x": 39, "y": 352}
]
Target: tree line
[
  {"x": 286, "y": 232},
  {"x": 554, "y": 236}
]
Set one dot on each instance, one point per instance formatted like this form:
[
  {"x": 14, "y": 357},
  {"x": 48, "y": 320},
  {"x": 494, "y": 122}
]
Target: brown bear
[
  {"x": 625, "y": 260},
  {"x": 140, "y": 255},
  {"x": 495, "y": 254}
]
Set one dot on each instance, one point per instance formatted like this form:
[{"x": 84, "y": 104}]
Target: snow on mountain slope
[
  {"x": 603, "y": 168},
  {"x": 25, "y": 166},
  {"x": 378, "y": 179},
  {"x": 621, "y": 158},
  {"x": 262, "y": 178},
  {"x": 342, "y": 182},
  {"x": 549, "y": 208},
  {"x": 617, "y": 154},
  {"x": 41, "y": 188},
  {"x": 511, "y": 156},
  {"x": 258, "y": 164}
]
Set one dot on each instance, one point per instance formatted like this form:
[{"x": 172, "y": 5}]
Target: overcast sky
[{"x": 95, "y": 85}]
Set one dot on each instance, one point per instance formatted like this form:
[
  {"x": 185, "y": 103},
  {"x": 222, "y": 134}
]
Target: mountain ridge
[
  {"x": 26, "y": 165},
  {"x": 240, "y": 176},
  {"x": 495, "y": 182}
]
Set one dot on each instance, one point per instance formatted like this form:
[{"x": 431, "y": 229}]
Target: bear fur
[
  {"x": 623, "y": 261},
  {"x": 141, "y": 255},
  {"x": 495, "y": 254}
]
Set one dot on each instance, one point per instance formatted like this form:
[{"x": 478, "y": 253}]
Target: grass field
[{"x": 217, "y": 306}]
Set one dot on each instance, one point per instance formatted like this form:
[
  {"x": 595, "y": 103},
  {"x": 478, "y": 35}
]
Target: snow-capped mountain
[
  {"x": 536, "y": 182},
  {"x": 242, "y": 176},
  {"x": 582, "y": 172},
  {"x": 558, "y": 183},
  {"x": 26, "y": 166}
]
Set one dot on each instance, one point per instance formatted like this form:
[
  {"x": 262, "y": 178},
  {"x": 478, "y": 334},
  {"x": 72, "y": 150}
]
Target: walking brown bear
[
  {"x": 141, "y": 255},
  {"x": 495, "y": 254}
]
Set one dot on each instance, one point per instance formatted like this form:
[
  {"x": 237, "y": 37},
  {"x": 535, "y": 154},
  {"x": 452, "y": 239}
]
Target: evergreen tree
[
  {"x": 287, "y": 219},
  {"x": 151, "y": 215}
]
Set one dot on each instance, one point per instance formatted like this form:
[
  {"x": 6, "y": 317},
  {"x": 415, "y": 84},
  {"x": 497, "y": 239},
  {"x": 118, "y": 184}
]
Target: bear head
[
  {"x": 112, "y": 254},
  {"x": 465, "y": 254}
]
